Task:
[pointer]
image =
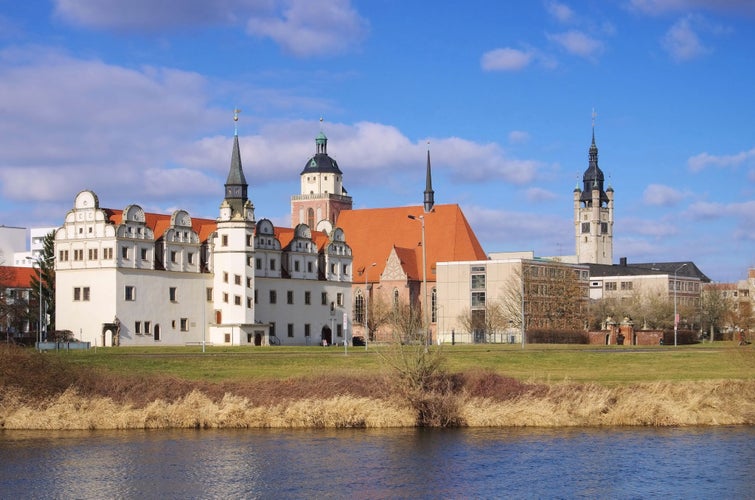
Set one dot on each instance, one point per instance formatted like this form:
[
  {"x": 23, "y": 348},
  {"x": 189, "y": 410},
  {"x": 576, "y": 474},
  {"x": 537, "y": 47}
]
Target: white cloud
[
  {"x": 537, "y": 195},
  {"x": 682, "y": 42},
  {"x": 660, "y": 195},
  {"x": 704, "y": 160},
  {"x": 658, "y": 7},
  {"x": 504, "y": 230},
  {"x": 301, "y": 27},
  {"x": 559, "y": 11},
  {"x": 578, "y": 43},
  {"x": 307, "y": 28},
  {"x": 506, "y": 59},
  {"x": 518, "y": 137},
  {"x": 152, "y": 15}
]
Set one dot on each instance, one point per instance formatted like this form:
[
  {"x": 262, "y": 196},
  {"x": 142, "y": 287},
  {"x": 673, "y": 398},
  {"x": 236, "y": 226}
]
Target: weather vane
[{"x": 236, "y": 121}]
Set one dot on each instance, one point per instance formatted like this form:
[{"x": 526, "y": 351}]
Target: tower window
[
  {"x": 604, "y": 228},
  {"x": 585, "y": 227}
]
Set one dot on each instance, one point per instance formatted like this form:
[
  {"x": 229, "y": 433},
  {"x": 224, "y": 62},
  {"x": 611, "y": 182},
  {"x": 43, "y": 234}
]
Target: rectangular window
[
  {"x": 77, "y": 293},
  {"x": 309, "y": 267},
  {"x": 225, "y": 277},
  {"x": 339, "y": 299},
  {"x": 225, "y": 297},
  {"x": 92, "y": 254},
  {"x": 78, "y": 254},
  {"x": 208, "y": 293},
  {"x": 345, "y": 269},
  {"x": 306, "y": 330},
  {"x": 626, "y": 285},
  {"x": 258, "y": 263},
  {"x": 237, "y": 300},
  {"x": 249, "y": 282},
  {"x": 130, "y": 293},
  {"x": 256, "y": 300},
  {"x": 237, "y": 279},
  {"x": 124, "y": 252},
  {"x": 296, "y": 265},
  {"x": 610, "y": 285},
  {"x": 224, "y": 240},
  {"x": 604, "y": 228},
  {"x": 190, "y": 257},
  {"x": 272, "y": 264},
  {"x": 273, "y": 297},
  {"x": 248, "y": 302},
  {"x": 144, "y": 254},
  {"x": 478, "y": 299},
  {"x": 184, "y": 324},
  {"x": 147, "y": 326},
  {"x": 272, "y": 329},
  {"x": 324, "y": 298},
  {"x": 290, "y": 297},
  {"x": 585, "y": 227},
  {"x": 173, "y": 256},
  {"x": 138, "y": 327},
  {"x": 291, "y": 330},
  {"x": 307, "y": 298},
  {"x": 339, "y": 330},
  {"x": 85, "y": 294},
  {"x": 107, "y": 253},
  {"x": 478, "y": 282},
  {"x": 172, "y": 293}
]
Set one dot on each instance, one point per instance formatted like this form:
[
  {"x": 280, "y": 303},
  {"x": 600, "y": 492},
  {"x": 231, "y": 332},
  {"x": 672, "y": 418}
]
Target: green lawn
[{"x": 537, "y": 363}]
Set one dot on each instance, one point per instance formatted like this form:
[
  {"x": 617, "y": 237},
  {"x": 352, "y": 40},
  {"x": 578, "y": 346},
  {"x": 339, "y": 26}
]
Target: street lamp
[
  {"x": 421, "y": 219},
  {"x": 367, "y": 306},
  {"x": 676, "y": 316},
  {"x": 39, "y": 299}
]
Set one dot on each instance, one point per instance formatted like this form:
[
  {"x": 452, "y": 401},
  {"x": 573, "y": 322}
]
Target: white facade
[{"x": 132, "y": 278}]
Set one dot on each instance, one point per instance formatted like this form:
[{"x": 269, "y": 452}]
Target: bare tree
[
  {"x": 488, "y": 321},
  {"x": 716, "y": 309}
]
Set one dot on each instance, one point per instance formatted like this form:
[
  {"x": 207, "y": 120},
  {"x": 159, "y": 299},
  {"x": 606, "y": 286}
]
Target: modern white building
[{"x": 127, "y": 277}]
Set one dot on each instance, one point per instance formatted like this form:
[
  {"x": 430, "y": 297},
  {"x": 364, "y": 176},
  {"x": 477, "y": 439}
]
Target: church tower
[
  {"x": 593, "y": 213},
  {"x": 322, "y": 194},
  {"x": 429, "y": 201},
  {"x": 233, "y": 257}
]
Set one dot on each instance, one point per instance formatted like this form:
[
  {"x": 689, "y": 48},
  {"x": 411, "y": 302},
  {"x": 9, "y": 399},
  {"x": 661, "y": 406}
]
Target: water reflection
[{"x": 513, "y": 463}]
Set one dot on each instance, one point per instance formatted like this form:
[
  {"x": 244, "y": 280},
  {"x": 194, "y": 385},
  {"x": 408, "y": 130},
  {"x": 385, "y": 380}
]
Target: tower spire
[
  {"x": 236, "y": 185},
  {"x": 429, "y": 193}
]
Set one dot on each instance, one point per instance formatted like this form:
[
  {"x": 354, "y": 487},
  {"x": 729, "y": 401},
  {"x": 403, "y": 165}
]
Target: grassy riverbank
[{"x": 489, "y": 385}]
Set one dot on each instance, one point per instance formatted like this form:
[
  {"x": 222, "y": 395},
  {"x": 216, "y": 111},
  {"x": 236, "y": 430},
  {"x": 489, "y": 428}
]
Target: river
[{"x": 706, "y": 462}]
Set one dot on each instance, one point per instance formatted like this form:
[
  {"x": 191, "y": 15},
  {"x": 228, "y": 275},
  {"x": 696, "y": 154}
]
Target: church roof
[
  {"x": 321, "y": 163},
  {"x": 372, "y": 233}
]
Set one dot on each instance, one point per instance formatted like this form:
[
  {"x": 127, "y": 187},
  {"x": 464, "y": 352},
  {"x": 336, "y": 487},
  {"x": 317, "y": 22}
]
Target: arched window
[
  {"x": 359, "y": 308},
  {"x": 395, "y": 298},
  {"x": 311, "y": 218},
  {"x": 434, "y": 305}
]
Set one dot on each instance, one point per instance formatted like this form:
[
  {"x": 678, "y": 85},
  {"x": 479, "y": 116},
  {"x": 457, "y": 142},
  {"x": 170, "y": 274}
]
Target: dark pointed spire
[
  {"x": 236, "y": 185},
  {"x": 429, "y": 193},
  {"x": 593, "y": 177}
]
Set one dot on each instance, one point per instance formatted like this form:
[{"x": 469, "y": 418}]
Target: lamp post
[
  {"x": 676, "y": 316},
  {"x": 421, "y": 219},
  {"x": 39, "y": 298},
  {"x": 367, "y": 306}
]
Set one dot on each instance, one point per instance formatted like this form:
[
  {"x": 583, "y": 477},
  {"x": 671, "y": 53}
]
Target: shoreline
[{"x": 659, "y": 404}]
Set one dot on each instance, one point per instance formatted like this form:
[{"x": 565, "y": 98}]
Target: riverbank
[
  {"x": 39, "y": 391},
  {"x": 558, "y": 405}
]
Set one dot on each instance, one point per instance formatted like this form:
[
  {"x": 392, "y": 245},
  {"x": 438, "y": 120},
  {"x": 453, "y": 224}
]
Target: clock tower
[{"x": 593, "y": 213}]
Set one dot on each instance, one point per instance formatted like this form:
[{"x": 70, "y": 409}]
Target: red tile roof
[
  {"x": 372, "y": 233},
  {"x": 159, "y": 223},
  {"x": 16, "y": 277}
]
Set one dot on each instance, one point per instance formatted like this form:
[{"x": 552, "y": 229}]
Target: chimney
[{"x": 623, "y": 262}]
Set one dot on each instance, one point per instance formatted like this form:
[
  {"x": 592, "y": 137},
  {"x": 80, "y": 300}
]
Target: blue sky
[{"x": 135, "y": 100}]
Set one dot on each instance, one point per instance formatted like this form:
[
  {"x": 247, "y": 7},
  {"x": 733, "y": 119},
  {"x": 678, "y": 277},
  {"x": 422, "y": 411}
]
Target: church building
[{"x": 128, "y": 277}]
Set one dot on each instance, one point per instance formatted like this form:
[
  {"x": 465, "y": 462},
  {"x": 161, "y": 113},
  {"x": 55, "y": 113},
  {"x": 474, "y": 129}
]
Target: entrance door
[{"x": 326, "y": 335}]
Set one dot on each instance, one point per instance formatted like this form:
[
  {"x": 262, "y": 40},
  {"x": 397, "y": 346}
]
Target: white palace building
[{"x": 128, "y": 277}]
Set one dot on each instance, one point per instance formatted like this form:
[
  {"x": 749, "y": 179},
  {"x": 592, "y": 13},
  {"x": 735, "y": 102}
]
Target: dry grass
[{"x": 41, "y": 392}]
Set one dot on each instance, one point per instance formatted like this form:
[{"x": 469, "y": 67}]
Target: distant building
[{"x": 16, "y": 306}]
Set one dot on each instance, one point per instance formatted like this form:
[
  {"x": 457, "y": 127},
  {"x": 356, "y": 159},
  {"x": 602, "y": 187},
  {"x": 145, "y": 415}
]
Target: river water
[{"x": 709, "y": 462}]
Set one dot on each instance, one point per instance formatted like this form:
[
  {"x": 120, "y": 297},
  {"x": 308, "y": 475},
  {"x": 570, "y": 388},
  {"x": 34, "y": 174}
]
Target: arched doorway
[{"x": 326, "y": 336}]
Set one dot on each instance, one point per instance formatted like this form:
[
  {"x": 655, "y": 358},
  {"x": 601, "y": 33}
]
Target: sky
[{"x": 134, "y": 100}]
